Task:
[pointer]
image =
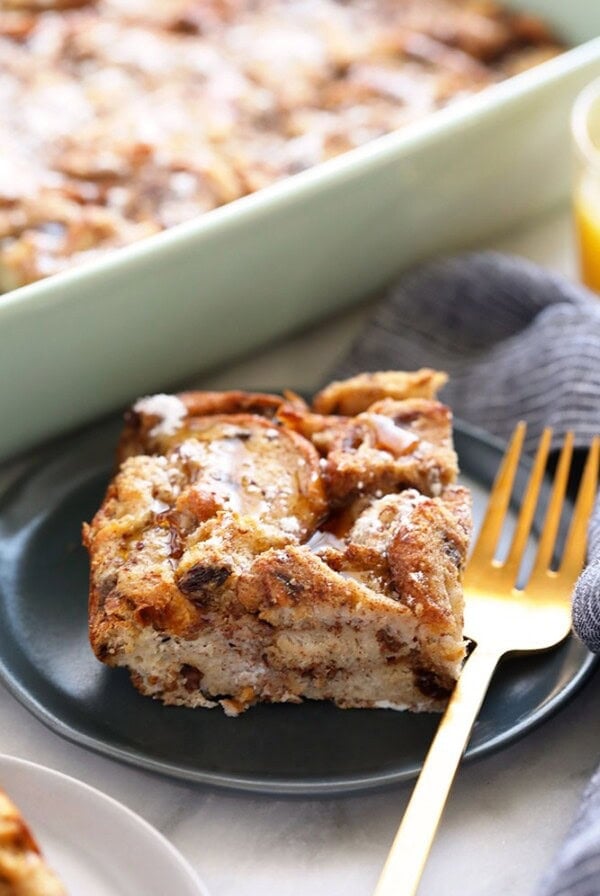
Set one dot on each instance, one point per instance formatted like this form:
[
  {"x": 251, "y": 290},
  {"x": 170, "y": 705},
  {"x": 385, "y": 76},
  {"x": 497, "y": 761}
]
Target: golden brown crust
[
  {"x": 391, "y": 445},
  {"x": 140, "y": 422},
  {"x": 144, "y": 115},
  {"x": 247, "y": 524},
  {"x": 218, "y": 486},
  {"x": 427, "y": 553},
  {"x": 23, "y": 871},
  {"x": 350, "y": 397}
]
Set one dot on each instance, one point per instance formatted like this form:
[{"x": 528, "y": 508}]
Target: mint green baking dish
[{"x": 84, "y": 342}]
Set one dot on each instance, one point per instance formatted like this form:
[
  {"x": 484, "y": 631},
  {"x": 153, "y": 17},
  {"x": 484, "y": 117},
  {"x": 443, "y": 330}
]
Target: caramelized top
[
  {"x": 246, "y": 502},
  {"x": 124, "y": 117}
]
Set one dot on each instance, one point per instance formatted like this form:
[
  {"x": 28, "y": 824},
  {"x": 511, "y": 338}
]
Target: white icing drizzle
[
  {"x": 319, "y": 541},
  {"x": 170, "y": 410},
  {"x": 391, "y": 437}
]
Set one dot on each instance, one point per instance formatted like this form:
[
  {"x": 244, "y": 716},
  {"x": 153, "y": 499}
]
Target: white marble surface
[{"x": 506, "y": 815}]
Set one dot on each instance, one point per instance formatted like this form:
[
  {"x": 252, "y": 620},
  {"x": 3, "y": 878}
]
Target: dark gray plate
[{"x": 46, "y": 662}]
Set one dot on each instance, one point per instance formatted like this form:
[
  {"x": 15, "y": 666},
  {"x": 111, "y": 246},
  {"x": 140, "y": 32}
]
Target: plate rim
[
  {"x": 89, "y": 792},
  {"x": 281, "y": 785}
]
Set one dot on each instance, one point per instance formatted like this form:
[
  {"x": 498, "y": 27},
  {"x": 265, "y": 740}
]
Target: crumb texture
[
  {"x": 23, "y": 871},
  {"x": 121, "y": 118},
  {"x": 252, "y": 548}
]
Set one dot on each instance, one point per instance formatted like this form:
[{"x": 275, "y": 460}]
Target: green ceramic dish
[{"x": 87, "y": 341}]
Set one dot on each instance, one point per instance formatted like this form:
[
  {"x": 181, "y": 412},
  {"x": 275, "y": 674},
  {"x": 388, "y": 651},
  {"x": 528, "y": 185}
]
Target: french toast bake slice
[
  {"x": 23, "y": 871},
  {"x": 251, "y": 548}
]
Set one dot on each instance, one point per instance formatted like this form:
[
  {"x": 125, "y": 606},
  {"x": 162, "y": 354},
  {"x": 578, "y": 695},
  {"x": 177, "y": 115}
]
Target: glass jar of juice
[{"x": 586, "y": 198}]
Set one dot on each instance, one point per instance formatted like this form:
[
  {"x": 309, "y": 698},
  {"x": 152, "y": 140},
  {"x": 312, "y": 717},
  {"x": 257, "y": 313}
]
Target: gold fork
[{"x": 499, "y": 618}]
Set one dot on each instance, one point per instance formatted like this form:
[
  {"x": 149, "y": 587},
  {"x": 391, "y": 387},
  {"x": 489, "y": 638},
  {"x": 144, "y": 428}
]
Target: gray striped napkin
[{"x": 519, "y": 343}]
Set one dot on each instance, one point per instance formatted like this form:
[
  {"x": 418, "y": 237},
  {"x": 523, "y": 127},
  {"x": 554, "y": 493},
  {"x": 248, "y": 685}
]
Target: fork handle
[{"x": 405, "y": 863}]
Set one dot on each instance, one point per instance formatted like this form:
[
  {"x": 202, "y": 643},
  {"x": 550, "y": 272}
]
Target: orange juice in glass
[{"x": 586, "y": 197}]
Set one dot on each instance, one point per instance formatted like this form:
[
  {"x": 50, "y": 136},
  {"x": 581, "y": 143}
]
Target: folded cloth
[
  {"x": 576, "y": 869},
  {"x": 519, "y": 343}
]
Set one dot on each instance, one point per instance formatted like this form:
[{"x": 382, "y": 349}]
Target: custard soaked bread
[
  {"x": 252, "y": 548},
  {"x": 23, "y": 871},
  {"x": 121, "y": 118}
]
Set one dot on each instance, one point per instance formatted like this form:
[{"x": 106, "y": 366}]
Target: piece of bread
[
  {"x": 23, "y": 871},
  {"x": 251, "y": 548}
]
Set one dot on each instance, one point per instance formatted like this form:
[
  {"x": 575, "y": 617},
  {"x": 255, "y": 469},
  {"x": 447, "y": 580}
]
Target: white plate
[{"x": 97, "y": 846}]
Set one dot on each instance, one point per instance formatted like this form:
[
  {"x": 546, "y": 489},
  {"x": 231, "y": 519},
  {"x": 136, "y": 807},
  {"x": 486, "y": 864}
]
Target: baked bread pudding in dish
[
  {"x": 121, "y": 118},
  {"x": 23, "y": 871},
  {"x": 252, "y": 548}
]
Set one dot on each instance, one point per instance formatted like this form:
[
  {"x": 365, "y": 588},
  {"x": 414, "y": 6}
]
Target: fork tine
[
  {"x": 527, "y": 513},
  {"x": 574, "y": 552},
  {"x": 500, "y": 497},
  {"x": 555, "y": 505}
]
